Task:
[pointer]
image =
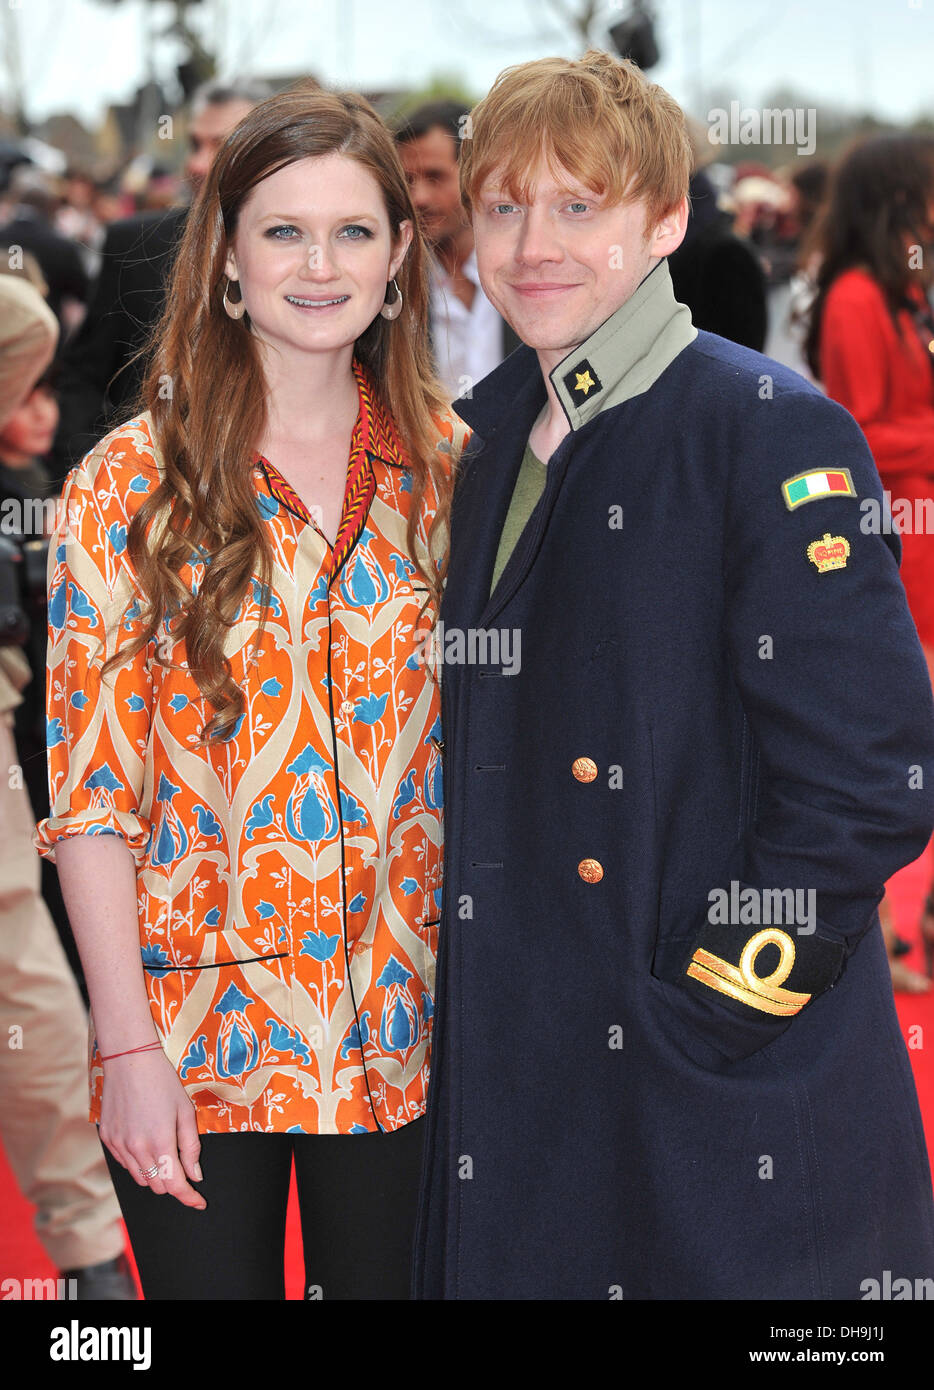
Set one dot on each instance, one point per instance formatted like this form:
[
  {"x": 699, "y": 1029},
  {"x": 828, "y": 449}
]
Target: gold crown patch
[{"x": 829, "y": 553}]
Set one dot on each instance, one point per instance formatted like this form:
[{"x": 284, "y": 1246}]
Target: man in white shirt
[{"x": 469, "y": 338}]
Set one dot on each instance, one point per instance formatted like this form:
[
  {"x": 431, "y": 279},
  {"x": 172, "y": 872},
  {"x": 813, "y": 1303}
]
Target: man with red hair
[{"x": 666, "y": 1061}]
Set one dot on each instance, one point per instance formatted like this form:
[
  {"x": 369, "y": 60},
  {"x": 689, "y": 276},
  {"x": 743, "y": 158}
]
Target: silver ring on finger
[{"x": 150, "y": 1173}]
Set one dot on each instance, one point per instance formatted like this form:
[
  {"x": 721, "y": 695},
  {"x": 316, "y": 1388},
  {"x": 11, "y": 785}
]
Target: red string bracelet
[{"x": 147, "y": 1047}]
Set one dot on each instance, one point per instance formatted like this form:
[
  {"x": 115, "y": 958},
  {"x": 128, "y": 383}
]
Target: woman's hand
[{"x": 148, "y": 1120}]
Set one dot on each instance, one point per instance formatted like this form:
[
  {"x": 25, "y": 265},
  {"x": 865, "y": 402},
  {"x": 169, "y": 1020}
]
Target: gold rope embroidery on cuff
[{"x": 761, "y": 992}]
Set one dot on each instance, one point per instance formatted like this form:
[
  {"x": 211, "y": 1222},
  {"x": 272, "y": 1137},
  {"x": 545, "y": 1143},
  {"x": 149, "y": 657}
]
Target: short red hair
[{"x": 598, "y": 117}]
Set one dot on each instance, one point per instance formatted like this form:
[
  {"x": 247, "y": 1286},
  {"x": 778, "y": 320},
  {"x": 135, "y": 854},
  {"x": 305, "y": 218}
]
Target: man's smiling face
[
  {"x": 431, "y": 170},
  {"x": 559, "y": 263}
]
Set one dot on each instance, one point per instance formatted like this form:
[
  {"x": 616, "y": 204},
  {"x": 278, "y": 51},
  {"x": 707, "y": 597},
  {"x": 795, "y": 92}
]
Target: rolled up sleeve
[{"x": 98, "y": 725}]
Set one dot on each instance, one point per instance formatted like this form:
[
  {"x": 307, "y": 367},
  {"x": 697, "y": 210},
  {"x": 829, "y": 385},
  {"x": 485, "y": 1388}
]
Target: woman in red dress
[{"x": 871, "y": 344}]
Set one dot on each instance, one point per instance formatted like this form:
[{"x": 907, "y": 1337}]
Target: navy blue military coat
[{"x": 641, "y": 1086}]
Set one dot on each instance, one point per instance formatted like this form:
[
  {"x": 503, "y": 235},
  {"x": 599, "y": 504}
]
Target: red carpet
[
  {"x": 916, "y": 1011},
  {"x": 22, "y": 1257}
]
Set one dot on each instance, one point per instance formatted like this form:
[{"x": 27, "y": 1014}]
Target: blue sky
[{"x": 79, "y": 54}]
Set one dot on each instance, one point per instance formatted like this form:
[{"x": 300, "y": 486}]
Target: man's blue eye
[
  {"x": 497, "y": 207},
  {"x": 578, "y": 204}
]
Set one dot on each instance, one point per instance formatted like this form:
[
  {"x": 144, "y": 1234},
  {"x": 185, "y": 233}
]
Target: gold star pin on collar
[{"x": 581, "y": 381}]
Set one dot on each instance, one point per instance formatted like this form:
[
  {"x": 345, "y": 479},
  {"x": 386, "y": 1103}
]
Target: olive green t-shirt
[{"x": 530, "y": 484}]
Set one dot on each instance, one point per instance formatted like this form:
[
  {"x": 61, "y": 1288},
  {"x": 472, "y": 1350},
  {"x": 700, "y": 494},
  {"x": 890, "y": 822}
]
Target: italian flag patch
[{"x": 825, "y": 482}]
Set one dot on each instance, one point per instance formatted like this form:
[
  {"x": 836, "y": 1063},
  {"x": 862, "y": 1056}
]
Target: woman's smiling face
[{"x": 313, "y": 252}]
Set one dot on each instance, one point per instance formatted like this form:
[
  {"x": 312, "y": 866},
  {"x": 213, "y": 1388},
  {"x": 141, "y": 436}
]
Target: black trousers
[{"x": 357, "y": 1197}]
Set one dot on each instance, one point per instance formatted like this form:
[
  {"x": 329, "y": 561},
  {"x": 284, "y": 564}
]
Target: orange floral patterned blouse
[{"x": 289, "y": 877}]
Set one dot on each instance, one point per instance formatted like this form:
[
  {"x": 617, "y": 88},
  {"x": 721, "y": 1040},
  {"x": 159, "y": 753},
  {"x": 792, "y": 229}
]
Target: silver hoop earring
[
  {"x": 393, "y": 309},
  {"x": 237, "y": 309}
]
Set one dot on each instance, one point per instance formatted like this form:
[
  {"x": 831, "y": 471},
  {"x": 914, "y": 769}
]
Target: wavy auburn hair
[{"x": 208, "y": 423}]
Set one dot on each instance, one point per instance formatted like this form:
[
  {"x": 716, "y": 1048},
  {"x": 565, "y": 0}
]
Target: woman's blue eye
[{"x": 287, "y": 232}]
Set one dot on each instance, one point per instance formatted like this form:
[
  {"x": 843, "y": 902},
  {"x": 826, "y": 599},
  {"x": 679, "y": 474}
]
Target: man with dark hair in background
[{"x": 468, "y": 336}]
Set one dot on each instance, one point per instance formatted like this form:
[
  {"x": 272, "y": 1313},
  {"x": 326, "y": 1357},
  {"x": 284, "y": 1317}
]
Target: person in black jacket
[
  {"x": 29, "y": 229},
  {"x": 101, "y": 372},
  {"x": 717, "y": 275}
]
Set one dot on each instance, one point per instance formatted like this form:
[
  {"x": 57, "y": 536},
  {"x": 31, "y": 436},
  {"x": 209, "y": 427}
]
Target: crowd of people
[{"x": 110, "y": 328}]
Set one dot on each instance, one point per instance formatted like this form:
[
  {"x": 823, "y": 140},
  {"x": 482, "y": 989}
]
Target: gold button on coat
[
  {"x": 584, "y": 769},
  {"x": 590, "y": 870}
]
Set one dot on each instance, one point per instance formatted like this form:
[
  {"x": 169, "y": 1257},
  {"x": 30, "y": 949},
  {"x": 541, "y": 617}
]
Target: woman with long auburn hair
[
  {"x": 870, "y": 341},
  {"x": 244, "y": 724}
]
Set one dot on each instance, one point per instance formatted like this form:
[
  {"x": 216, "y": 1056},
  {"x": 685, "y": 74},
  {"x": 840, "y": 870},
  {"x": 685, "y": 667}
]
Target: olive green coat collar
[{"x": 627, "y": 353}]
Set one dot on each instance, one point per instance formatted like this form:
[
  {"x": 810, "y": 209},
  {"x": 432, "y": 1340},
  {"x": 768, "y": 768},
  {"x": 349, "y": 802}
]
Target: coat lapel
[
  {"x": 500, "y": 413},
  {"x": 621, "y": 359}
]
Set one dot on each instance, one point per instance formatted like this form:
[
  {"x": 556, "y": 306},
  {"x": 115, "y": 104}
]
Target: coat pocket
[{"x": 713, "y": 1034}]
